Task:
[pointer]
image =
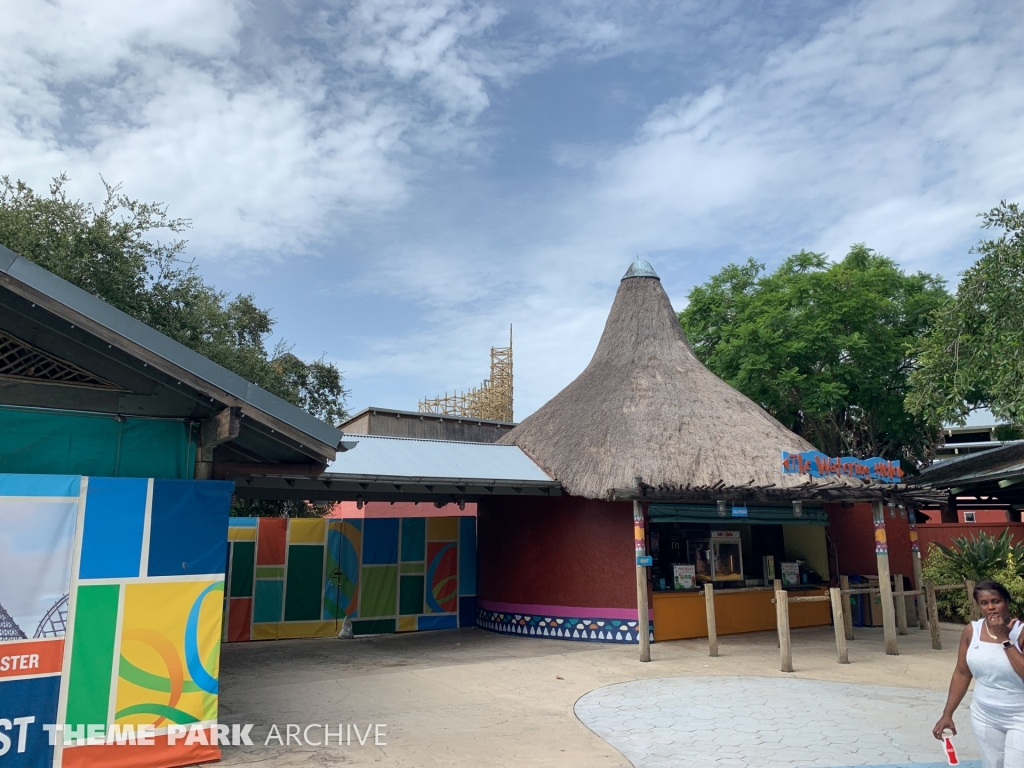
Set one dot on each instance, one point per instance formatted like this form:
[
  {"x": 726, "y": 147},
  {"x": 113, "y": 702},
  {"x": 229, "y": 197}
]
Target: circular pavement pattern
[{"x": 771, "y": 722}]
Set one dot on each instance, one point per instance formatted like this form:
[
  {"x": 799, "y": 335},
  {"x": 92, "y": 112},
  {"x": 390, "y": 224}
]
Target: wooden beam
[
  {"x": 839, "y": 624},
  {"x": 901, "y": 605},
  {"x": 892, "y": 647},
  {"x": 709, "y": 605},
  {"x": 975, "y": 611},
  {"x": 844, "y": 584},
  {"x": 933, "y": 615},
  {"x": 220, "y": 428},
  {"x": 223, "y": 470},
  {"x": 640, "y": 545},
  {"x": 782, "y": 624}
]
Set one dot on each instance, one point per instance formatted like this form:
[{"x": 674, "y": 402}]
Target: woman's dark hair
[{"x": 991, "y": 586}]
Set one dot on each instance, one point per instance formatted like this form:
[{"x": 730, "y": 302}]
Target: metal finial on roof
[{"x": 640, "y": 268}]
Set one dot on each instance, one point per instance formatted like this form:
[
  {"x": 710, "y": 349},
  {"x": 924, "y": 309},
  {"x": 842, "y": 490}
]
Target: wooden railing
[{"x": 842, "y": 620}]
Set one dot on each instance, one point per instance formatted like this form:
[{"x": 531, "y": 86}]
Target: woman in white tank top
[{"x": 990, "y": 654}]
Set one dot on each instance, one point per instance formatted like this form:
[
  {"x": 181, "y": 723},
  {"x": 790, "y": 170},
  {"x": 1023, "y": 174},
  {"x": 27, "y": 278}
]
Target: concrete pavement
[{"x": 472, "y": 698}]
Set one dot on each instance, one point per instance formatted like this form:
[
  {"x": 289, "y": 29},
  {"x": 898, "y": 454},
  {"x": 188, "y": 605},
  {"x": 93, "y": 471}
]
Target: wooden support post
[
  {"x": 892, "y": 647},
  {"x": 778, "y": 588},
  {"x": 975, "y": 611},
  {"x": 839, "y": 624},
  {"x": 782, "y": 622},
  {"x": 844, "y": 583},
  {"x": 915, "y": 558},
  {"x": 933, "y": 615},
  {"x": 901, "y": 606},
  {"x": 640, "y": 544},
  {"x": 709, "y": 604}
]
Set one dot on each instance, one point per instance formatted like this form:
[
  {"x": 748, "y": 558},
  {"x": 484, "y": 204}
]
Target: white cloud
[
  {"x": 365, "y": 125},
  {"x": 892, "y": 124}
]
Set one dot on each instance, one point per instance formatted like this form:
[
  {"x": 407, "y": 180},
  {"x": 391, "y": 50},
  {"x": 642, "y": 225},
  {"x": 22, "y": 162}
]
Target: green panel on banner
[
  {"x": 46, "y": 441},
  {"x": 305, "y": 582},
  {"x": 413, "y": 567},
  {"x": 92, "y": 654},
  {"x": 377, "y": 590},
  {"x": 414, "y": 536},
  {"x": 373, "y": 627},
  {"x": 243, "y": 558},
  {"x": 410, "y": 595}
]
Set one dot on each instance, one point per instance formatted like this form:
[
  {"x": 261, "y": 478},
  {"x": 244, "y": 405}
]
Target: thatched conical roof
[{"x": 646, "y": 407}]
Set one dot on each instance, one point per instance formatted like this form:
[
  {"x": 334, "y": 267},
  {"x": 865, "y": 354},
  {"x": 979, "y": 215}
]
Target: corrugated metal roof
[
  {"x": 376, "y": 456},
  {"x": 98, "y": 311}
]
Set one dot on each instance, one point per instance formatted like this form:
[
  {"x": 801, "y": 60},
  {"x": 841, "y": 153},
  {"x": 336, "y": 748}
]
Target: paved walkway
[
  {"x": 472, "y": 699},
  {"x": 758, "y": 722}
]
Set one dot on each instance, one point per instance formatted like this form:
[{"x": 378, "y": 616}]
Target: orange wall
[{"x": 679, "y": 615}]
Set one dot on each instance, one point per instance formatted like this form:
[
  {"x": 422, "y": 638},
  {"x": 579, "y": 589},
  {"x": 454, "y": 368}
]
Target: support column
[
  {"x": 884, "y": 579},
  {"x": 640, "y": 544},
  {"x": 915, "y": 558}
]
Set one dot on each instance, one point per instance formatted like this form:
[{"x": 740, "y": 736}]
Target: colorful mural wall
[
  {"x": 304, "y": 577},
  {"x": 111, "y": 592}
]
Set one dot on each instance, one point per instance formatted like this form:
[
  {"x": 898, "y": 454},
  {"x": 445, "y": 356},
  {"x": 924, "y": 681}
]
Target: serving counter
[{"x": 681, "y": 614}]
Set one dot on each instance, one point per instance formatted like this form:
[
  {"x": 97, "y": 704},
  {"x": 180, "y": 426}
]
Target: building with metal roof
[
  {"x": 381, "y": 468},
  {"x": 430, "y": 426},
  {"x": 992, "y": 479},
  {"x": 87, "y": 389}
]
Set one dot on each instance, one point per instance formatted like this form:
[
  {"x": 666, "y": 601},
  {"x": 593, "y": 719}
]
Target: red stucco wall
[
  {"x": 852, "y": 530},
  {"x": 556, "y": 551},
  {"x": 944, "y": 533}
]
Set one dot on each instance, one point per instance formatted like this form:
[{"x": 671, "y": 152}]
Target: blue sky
[{"x": 401, "y": 180}]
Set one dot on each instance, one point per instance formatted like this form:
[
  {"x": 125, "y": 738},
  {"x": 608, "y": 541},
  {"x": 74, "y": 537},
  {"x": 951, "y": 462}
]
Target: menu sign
[
  {"x": 790, "y": 573},
  {"x": 684, "y": 576}
]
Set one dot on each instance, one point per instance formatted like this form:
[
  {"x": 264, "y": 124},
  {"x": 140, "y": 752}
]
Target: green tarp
[{"x": 43, "y": 441}]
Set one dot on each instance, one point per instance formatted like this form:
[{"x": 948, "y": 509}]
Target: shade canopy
[{"x": 646, "y": 407}]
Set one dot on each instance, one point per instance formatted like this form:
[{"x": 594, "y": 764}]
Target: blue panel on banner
[
  {"x": 33, "y": 698},
  {"x": 189, "y": 527},
  {"x": 40, "y": 485},
  {"x": 467, "y": 611},
  {"x": 467, "y": 557},
  {"x": 380, "y": 541},
  {"x": 115, "y": 514},
  {"x": 449, "y": 621}
]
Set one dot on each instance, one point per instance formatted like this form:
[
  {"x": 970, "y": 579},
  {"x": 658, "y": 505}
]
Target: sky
[{"x": 401, "y": 180}]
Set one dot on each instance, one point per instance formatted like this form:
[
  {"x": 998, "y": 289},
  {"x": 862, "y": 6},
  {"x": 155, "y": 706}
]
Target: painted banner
[
  {"x": 112, "y": 591},
  {"x": 37, "y": 538},
  {"x": 817, "y": 464},
  {"x": 290, "y": 578}
]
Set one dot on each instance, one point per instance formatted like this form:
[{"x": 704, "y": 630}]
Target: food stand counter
[{"x": 681, "y": 614}]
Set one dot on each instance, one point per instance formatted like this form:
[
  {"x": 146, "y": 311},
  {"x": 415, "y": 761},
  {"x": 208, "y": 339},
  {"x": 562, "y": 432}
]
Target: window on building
[{"x": 969, "y": 517}]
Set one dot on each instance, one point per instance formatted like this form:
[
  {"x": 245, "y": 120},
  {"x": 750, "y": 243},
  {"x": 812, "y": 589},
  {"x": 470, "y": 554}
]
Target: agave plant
[{"x": 978, "y": 557}]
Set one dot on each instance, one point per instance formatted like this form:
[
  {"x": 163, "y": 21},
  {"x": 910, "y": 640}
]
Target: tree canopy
[
  {"x": 129, "y": 254},
  {"x": 825, "y": 347},
  {"x": 973, "y": 354}
]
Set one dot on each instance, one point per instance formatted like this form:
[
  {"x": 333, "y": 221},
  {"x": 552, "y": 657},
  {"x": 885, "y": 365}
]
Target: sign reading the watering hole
[{"x": 817, "y": 464}]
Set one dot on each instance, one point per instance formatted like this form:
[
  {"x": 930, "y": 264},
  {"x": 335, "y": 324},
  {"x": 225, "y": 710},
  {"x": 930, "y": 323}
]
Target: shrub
[{"x": 976, "y": 558}]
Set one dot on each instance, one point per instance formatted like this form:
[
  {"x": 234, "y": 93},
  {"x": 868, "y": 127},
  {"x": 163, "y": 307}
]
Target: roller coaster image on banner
[{"x": 112, "y": 592}]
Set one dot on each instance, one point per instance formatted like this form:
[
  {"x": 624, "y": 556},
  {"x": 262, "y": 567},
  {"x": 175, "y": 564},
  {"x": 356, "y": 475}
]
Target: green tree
[
  {"x": 825, "y": 347},
  {"x": 127, "y": 252},
  {"x": 973, "y": 355}
]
